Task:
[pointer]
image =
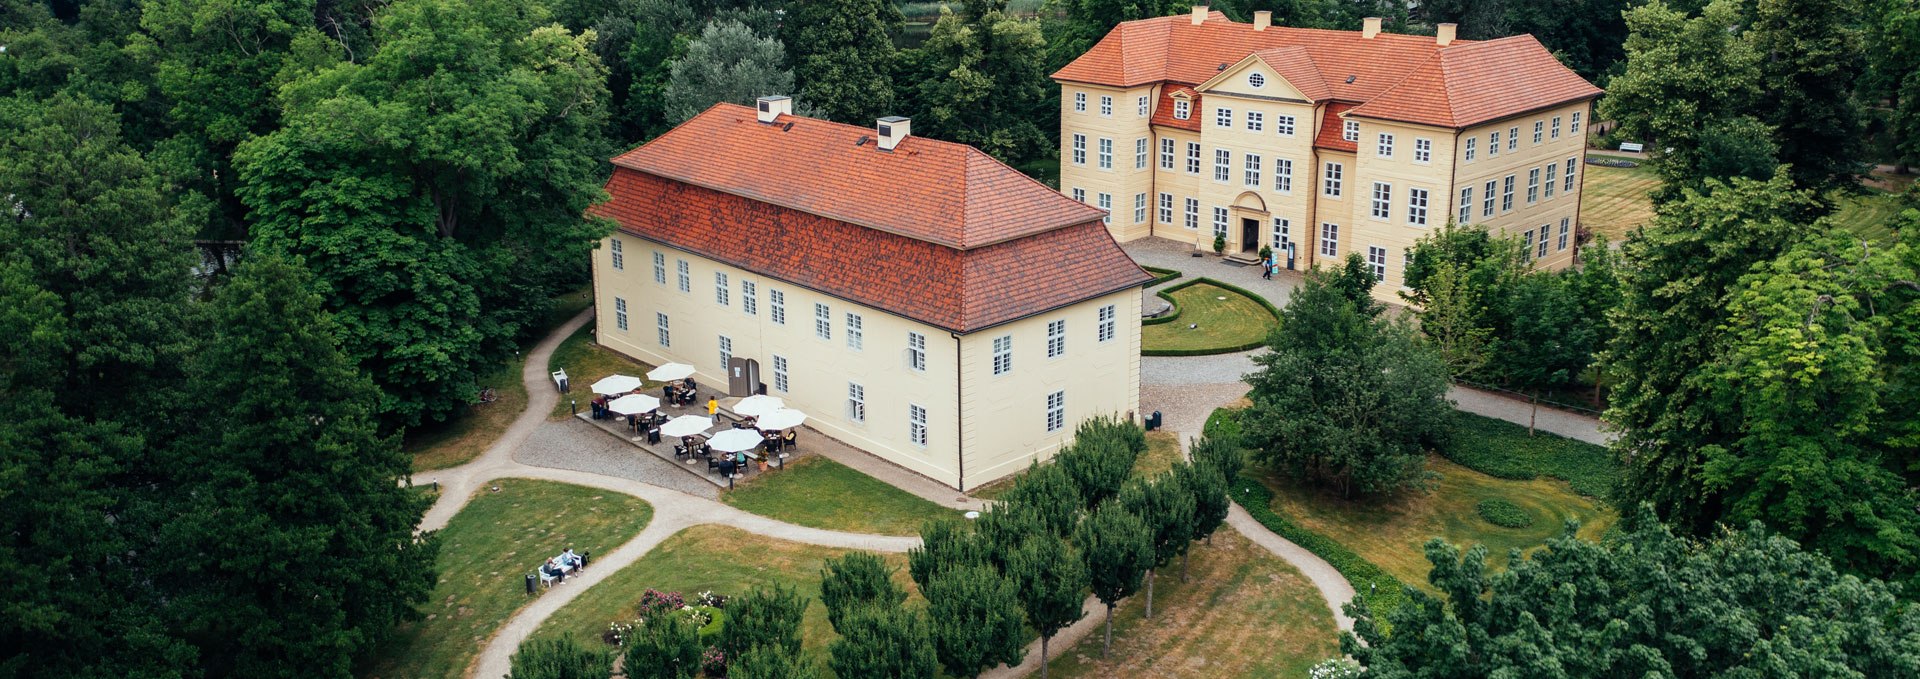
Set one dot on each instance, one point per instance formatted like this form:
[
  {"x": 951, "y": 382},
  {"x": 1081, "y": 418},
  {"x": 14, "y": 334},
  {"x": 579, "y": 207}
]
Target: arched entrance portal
[{"x": 1249, "y": 212}]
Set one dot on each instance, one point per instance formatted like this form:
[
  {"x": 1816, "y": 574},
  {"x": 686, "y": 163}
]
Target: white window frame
[
  {"x": 1182, "y": 109},
  {"x": 917, "y": 425},
  {"x": 1486, "y": 201},
  {"x": 1284, "y": 125},
  {"x": 1223, "y": 117},
  {"x": 1472, "y": 147},
  {"x": 1139, "y": 208},
  {"x": 780, "y": 381},
  {"x": 1377, "y": 261},
  {"x": 916, "y": 351},
  {"x": 1533, "y": 185},
  {"x": 1282, "y": 234},
  {"x": 619, "y": 258},
  {"x": 1079, "y": 149},
  {"x": 856, "y": 403},
  {"x": 822, "y": 321},
  {"x": 1333, "y": 180},
  {"x": 1192, "y": 213},
  {"x": 1002, "y": 355},
  {"x": 1256, "y": 121},
  {"x": 777, "y": 306},
  {"x": 1553, "y": 131},
  {"x": 1166, "y": 153},
  {"x": 1140, "y": 153},
  {"x": 665, "y": 329},
  {"x": 1222, "y": 165},
  {"x": 1565, "y": 231},
  {"x": 1513, "y": 138},
  {"x": 1544, "y": 230},
  {"x": 1106, "y": 153},
  {"x": 722, "y": 289},
  {"x": 1079, "y": 195},
  {"x": 685, "y": 272},
  {"x": 1383, "y": 145},
  {"x": 1493, "y": 144},
  {"x": 1106, "y": 326},
  {"x": 1422, "y": 150},
  {"x": 726, "y": 352},
  {"x": 749, "y": 298},
  {"x": 1056, "y": 411},
  {"x": 856, "y": 332},
  {"x": 1105, "y": 203},
  {"x": 1350, "y": 130},
  {"x": 1417, "y": 202},
  {"x": 1079, "y": 102},
  {"x": 1106, "y": 106},
  {"x": 1250, "y": 167},
  {"x": 1546, "y": 190},
  {"x": 1329, "y": 239},
  {"x": 1539, "y": 129},
  {"x": 1573, "y": 126},
  {"x": 1382, "y": 203},
  {"x": 1466, "y": 204},
  {"x": 1140, "y": 104},
  {"x": 1567, "y": 177},
  {"x": 1166, "y": 208},
  {"x": 660, "y": 267},
  {"x": 620, "y": 313},
  {"x": 1256, "y": 80},
  {"x": 1219, "y": 221},
  {"x": 1506, "y": 194},
  {"x": 1056, "y": 338},
  {"x": 1283, "y": 175}
]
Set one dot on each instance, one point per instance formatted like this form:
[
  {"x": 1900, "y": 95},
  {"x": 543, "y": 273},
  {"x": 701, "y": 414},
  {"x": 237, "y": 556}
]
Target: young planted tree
[
  {"x": 769, "y": 663},
  {"x": 664, "y": 647},
  {"x": 764, "y": 618},
  {"x": 976, "y": 620},
  {"x": 855, "y": 582},
  {"x": 1004, "y": 526},
  {"x": 884, "y": 643},
  {"x": 944, "y": 543},
  {"x": 1210, "y": 502},
  {"x": 1101, "y": 458},
  {"x": 1168, "y": 510},
  {"x": 1051, "y": 493},
  {"x": 561, "y": 658},
  {"x": 1118, "y": 549},
  {"x": 1052, "y": 581}
]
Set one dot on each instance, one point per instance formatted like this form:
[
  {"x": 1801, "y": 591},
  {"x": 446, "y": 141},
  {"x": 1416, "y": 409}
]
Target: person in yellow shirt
[{"x": 713, "y": 406}]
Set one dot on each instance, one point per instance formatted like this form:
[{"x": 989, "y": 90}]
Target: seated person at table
[
  {"x": 726, "y": 465},
  {"x": 552, "y": 569},
  {"x": 790, "y": 439}
]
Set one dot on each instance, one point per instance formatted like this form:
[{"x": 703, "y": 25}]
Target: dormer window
[
  {"x": 1256, "y": 81},
  {"x": 1182, "y": 109},
  {"x": 1350, "y": 131}
]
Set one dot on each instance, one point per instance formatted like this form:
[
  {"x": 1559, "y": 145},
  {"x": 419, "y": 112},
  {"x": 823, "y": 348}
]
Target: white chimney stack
[
  {"x": 1443, "y": 34},
  {"x": 1199, "y": 14},
  {"x": 774, "y": 107},
  {"x": 892, "y": 129},
  {"x": 1371, "y": 28},
  {"x": 1261, "y": 20}
]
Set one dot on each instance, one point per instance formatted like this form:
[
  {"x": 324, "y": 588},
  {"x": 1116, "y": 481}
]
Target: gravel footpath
[{"x": 572, "y": 444}]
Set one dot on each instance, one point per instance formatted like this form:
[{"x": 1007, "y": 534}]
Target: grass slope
[
  {"x": 1235, "y": 321},
  {"x": 818, "y": 492},
  {"x": 586, "y": 362},
  {"x": 1503, "y": 449},
  {"x": 486, "y": 552},
  {"x": 1615, "y": 199},
  {"x": 1243, "y": 613}
]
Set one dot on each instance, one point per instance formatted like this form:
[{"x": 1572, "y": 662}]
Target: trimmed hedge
[
  {"x": 1165, "y": 294},
  {"x": 1502, "y": 513},
  {"x": 1382, "y": 592},
  {"x": 1161, "y": 275},
  {"x": 1504, "y": 450}
]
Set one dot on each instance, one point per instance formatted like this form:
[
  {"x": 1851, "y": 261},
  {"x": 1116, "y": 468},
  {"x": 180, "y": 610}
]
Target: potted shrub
[{"x": 1219, "y": 243}]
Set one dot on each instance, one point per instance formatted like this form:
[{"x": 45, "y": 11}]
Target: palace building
[
  {"x": 918, "y": 299},
  {"x": 1320, "y": 143}
]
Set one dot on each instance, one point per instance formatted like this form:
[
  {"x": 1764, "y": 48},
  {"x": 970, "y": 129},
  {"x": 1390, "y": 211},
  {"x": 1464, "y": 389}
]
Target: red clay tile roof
[
  {"x": 1465, "y": 85},
  {"x": 1295, "y": 63},
  {"x": 936, "y": 191},
  {"x": 1515, "y": 78},
  {"x": 953, "y": 289},
  {"x": 1163, "y": 114},
  {"x": 1329, "y": 136}
]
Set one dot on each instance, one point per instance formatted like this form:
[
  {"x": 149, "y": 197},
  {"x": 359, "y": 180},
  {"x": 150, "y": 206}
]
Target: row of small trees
[
  {"x": 762, "y": 641},
  {"x": 1083, "y": 523}
]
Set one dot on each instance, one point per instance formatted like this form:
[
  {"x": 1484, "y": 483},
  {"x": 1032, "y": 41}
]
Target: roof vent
[
  {"x": 1443, "y": 34},
  {"x": 1199, "y": 14},
  {"x": 1261, "y": 20},
  {"x": 787, "y": 127},
  {"x": 862, "y": 141},
  {"x": 773, "y": 107},
  {"x": 1370, "y": 27},
  {"x": 1352, "y": 78},
  {"x": 892, "y": 130}
]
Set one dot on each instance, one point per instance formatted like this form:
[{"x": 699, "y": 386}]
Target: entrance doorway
[
  {"x": 743, "y": 376},
  {"x": 1249, "y": 235}
]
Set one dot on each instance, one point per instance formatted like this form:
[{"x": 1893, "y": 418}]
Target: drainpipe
[{"x": 959, "y": 414}]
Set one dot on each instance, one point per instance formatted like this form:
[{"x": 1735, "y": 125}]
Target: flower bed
[{"x": 706, "y": 611}]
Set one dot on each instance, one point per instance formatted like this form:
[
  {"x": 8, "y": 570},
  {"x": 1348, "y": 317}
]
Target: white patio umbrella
[
  {"x": 634, "y": 404},
  {"x": 670, "y": 372},
  {"x": 616, "y": 384},
  {"x": 735, "y": 440},
  {"x": 758, "y": 404},
  {"x": 784, "y": 418},
  {"x": 686, "y": 425}
]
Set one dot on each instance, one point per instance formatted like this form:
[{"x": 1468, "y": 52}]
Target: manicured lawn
[
  {"x": 586, "y": 362},
  {"x": 1243, "y": 613},
  {"x": 1616, "y": 199},
  {"x": 1390, "y": 531},
  {"x": 1225, "y": 320},
  {"x": 1160, "y": 275},
  {"x": 1866, "y": 215},
  {"x": 719, "y": 559},
  {"x": 818, "y": 492},
  {"x": 459, "y": 440},
  {"x": 486, "y": 551},
  {"x": 1503, "y": 449}
]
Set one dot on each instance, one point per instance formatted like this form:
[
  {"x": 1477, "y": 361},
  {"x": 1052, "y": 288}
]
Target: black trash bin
[
  {"x": 533, "y": 582},
  {"x": 1153, "y": 421}
]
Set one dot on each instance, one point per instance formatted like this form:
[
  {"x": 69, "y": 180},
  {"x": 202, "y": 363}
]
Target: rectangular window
[
  {"x": 1140, "y": 106},
  {"x": 1384, "y": 145},
  {"x": 1002, "y": 354},
  {"x": 917, "y": 421},
  {"x": 1466, "y": 205},
  {"x": 1538, "y": 126},
  {"x": 1547, "y": 190},
  {"x": 822, "y": 321},
  {"x": 1079, "y": 195},
  {"x": 619, "y": 259},
  {"x": 686, "y": 275},
  {"x": 1182, "y": 109},
  {"x": 660, "y": 267},
  {"x": 1193, "y": 157},
  {"x": 856, "y": 332},
  {"x": 1079, "y": 149},
  {"x": 917, "y": 351},
  {"x": 1220, "y": 221},
  {"x": 1567, "y": 177},
  {"x": 1166, "y": 208},
  {"x": 1329, "y": 239},
  {"x": 1056, "y": 411},
  {"x": 1140, "y": 153},
  {"x": 1472, "y": 146},
  {"x": 1056, "y": 338},
  {"x": 1283, "y": 125},
  {"x": 1252, "y": 168},
  {"x": 1554, "y": 131},
  {"x": 660, "y": 323},
  {"x": 1486, "y": 202},
  {"x": 1139, "y": 208},
  {"x": 1223, "y": 117},
  {"x": 1533, "y": 186},
  {"x": 1506, "y": 194},
  {"x": 780, "y": 373},
  {"x": 1332, "y": 186},
  {"x": 1222, "y": 165},
  {"x": 1573, "y": 126},
  {"x": 1106, "y": 153},
  {"x": 1493, "y": 144},
  {"x": 1080, "y": 102},
  {"x": 726, "y": 352},
  {"x": 721, "y": 289},
  {"x": 777, "y": 307},
  {"x": 1565, "y": 225},
  {"x": 1166, "y": 154},
  {"x": 620, "y": 313},
  {"x": 1106, "y": 106},
  {"x": 1105, "y": 330},
  {"x": 1526, "y": 241},
  {"x": 1282, "y": 234},
  {"x": 1256, "y": 121},
  {"x": 1193, "y": 213},
  {"x": 857, "y": 402},
  {"x": 1542, "y": 252},
  {"x": 749, "y": 302},
  {"x": 1417, "y": 207},
  {"x": 1382, "y": 200},
  {"x": 1106, "y": 205},
  {"x": 1350, "y": 131},
  {"x": 1377, "y": 260},
  {"x": 1283, "y": 175},
  {"x": 1513, "y": 137},
  {"x": 1422, "y": 150}
]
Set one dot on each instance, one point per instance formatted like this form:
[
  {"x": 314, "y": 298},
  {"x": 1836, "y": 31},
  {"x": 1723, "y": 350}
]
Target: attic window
[
  {"x": 1182, "y": 109},
  {"x": 1221, "y": 67},
  {"x": 1351, "y": 78},
  {"x": 1256, "y": 80}
]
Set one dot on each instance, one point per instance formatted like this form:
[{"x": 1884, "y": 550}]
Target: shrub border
[
  {"x": 1161, "y": 275},
  {"x": 1165, "y": 293},
  {"x": 1383, "y": 592}
]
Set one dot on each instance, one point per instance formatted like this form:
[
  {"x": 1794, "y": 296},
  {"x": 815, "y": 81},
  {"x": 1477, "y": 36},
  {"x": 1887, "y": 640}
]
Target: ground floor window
[
  {"x": 1377, "y": 260},
  {"x": 856, "y": 402},
  {"x": 660, "y": 320},
  {"x": 726, "y": 352},
  {"x": 780, "y": 373},
  {"x": 917, "y": 425},
  {"x": 1056, "y": 411}
]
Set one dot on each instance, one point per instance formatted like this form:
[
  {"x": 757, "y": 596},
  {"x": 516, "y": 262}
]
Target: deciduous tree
[
  {"x": 727, "y": 63},
  {"x": 1052, "y": 584},
  {"x": 841, "y": 56},
  {"x": 1118, "y": 549},
  {"x": 982, "y": 83}
]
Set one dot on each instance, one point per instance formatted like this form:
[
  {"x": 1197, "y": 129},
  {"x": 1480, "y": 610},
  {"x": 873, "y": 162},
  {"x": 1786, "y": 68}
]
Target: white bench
[
  {"x": 560, "y": 380},
  {"x": 1632, "y": 147}
]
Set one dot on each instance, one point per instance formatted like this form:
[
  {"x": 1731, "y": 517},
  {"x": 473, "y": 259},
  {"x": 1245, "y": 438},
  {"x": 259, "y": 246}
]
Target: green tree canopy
[
  {"x": 857, "y": 581},
  {"x": 884, "y": 643},
  {"x": 1051, "y": 582},
  {"x": 976, "y": 620},
  {"x": 764, "y": 618},
  {"x": 842, "y": 56},
  {"x": 664, "y": 647},
  {"x": 980, "y": 81},
  {"x": 561, "y": 658},
  {"x": 729, "y": 63},
  {"x": 1118, "y": 549}
]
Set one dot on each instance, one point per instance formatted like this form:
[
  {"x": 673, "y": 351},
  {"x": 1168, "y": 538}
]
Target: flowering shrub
[
  {"x": 710, "y": 599},
  {"x": 618, "y": 633},
  {"x": 1337, "y": 668},
  {"x": 713, "y": 662},
  {"x": 654, "y": 602}
]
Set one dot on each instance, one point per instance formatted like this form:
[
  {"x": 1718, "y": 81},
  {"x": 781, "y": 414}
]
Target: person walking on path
[{"x": 713, "y": 406}]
